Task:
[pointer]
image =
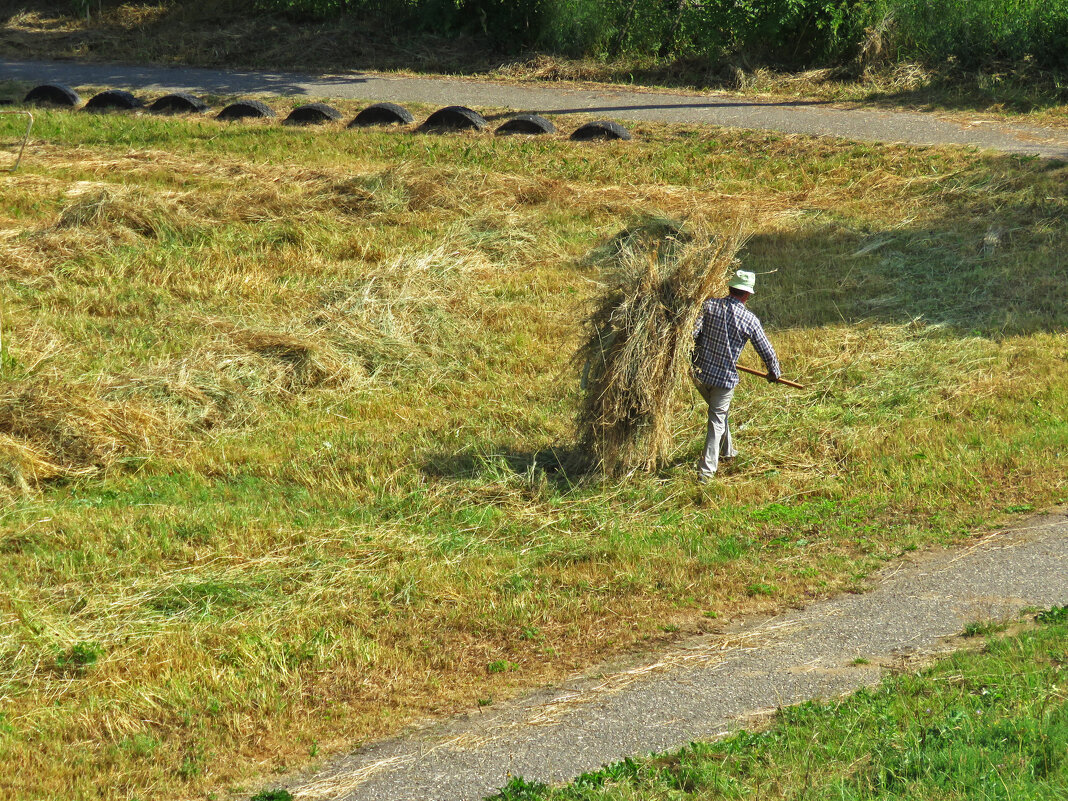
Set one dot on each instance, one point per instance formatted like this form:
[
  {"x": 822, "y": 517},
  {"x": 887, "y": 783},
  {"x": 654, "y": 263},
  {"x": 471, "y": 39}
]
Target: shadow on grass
[
  {"x": 561, "y": 467},
  {"x": 997, "y": 273}
]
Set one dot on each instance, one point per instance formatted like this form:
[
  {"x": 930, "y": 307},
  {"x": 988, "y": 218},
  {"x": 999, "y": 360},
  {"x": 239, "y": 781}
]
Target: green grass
[
  {"x": 978, "y": 725},
  {"x": 283, "y": 415},
  {"x": 983, "y": 629}
]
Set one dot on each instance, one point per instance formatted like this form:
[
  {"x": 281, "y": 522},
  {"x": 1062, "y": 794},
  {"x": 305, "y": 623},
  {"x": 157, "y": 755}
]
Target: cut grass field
[
  {"x": 283, "y": 415},
  {"x": 991, "y": 724},
  {"x": 222, "y": 34}
]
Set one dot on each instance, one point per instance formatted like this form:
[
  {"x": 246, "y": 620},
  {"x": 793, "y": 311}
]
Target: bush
[
  {"x": 302, "y": 10},
  {"x": 978, "y": 33},
  {"x": 576, "y": 27},
  {"x": 786, "y": 33}
]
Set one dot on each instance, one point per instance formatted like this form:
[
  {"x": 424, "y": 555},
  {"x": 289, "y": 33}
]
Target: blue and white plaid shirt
[{"x": 722, "y": 329}]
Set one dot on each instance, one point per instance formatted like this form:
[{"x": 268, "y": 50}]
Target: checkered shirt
[{"x": 722, "y": 329}]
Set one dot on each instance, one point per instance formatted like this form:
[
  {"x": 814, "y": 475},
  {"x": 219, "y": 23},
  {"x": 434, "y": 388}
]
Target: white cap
[{"x": 744, "y": 280}]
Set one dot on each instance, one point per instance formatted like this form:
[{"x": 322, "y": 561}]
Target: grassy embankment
[
  {"x": 225, "y": 34},
  {"x": 990, "y": 724},
  {"x": 278, "y": 410}
]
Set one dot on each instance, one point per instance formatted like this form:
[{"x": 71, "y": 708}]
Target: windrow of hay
[
  {"x": 410, "y": 313},
  {"x": 638, "y": 337},
  {"x": 96, "y": 217},
  {"x": 302, "y": 361},
  {"x": 405, "y": 315},
  {"x": 229, "y": 380},
  {"x": 50, "y": 428},
  {"x": 150, "y": 214}
]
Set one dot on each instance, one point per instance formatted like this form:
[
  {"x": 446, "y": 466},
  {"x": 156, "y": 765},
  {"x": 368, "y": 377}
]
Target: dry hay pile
[
  {"x": 95, "y": 218},
  {"x": 149, "y": 214},
  {"x": 639, "y": 338},
  {"x": 53, "y": 429}
]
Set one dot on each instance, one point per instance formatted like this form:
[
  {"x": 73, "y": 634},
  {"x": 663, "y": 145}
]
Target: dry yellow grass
[{"x": 68, "y": 430}]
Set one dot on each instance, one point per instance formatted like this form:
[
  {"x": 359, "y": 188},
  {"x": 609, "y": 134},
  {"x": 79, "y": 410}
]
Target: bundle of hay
[{"x": 639, "y": 338}]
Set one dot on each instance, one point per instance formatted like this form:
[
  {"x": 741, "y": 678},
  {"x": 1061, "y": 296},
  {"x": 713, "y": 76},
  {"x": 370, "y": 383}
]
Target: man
[{"x": 723, "y": 327}]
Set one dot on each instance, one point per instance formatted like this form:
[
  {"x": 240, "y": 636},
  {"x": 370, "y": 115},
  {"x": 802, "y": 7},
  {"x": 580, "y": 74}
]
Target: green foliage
[
  {"x": 139, "y": 745},
  {"x": 202, "y": 598},
  {"x": 79, "y": 657},
  {"x": 782, "y": 30},
  {"x": 791, "y": 33},
  {"x": 983, "y": 628},
  {"x": 81, "y": 7},
  {"x": 762, "y": 589},
  {"x": 576, "y": 27},
  {"x": 8, "y": 363},
  {"x": 977, "y": 33},
  {"x": 788, "y": 32},
  {"x": 1056, "y": 614},
  {"x": 304, "y": 10},
  {"x": 519, "y": 789},
  {"x": 273, "y": 795}
]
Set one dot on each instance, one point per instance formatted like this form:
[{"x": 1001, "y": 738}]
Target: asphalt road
[
  {"x": 709, "y": 685},
  {"x": 801, "y": 117}
]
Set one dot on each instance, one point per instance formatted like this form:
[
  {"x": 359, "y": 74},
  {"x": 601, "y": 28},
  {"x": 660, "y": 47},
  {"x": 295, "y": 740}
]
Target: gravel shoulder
[
  {"x": 707, "y": 686},
  {"x": 797, "y": 117}
]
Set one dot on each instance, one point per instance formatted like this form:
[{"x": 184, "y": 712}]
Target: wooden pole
[{"x": 765, "y": 375}]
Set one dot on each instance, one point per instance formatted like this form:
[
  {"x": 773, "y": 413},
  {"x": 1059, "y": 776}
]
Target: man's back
[{"x": 722, "y": 329}]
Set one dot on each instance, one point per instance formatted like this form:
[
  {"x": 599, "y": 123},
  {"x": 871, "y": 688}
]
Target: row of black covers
[{"x": 450, "y": 118}]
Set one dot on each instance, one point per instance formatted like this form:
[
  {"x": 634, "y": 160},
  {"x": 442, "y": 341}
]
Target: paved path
[
  {"x": 714, "y": 683},
  {"x": 803, "y": 117}
]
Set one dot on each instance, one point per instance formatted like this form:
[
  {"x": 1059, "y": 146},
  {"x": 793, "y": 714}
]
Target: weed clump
[{"x": 638, "y": 338}]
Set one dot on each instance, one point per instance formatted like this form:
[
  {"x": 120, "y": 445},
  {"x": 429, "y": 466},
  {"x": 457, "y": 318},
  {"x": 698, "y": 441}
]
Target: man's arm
[{"x": 767, "y": 352}]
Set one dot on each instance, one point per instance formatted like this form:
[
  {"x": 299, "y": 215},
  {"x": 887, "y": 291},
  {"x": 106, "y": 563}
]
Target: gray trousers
[{"x": 718, "y": 442}]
